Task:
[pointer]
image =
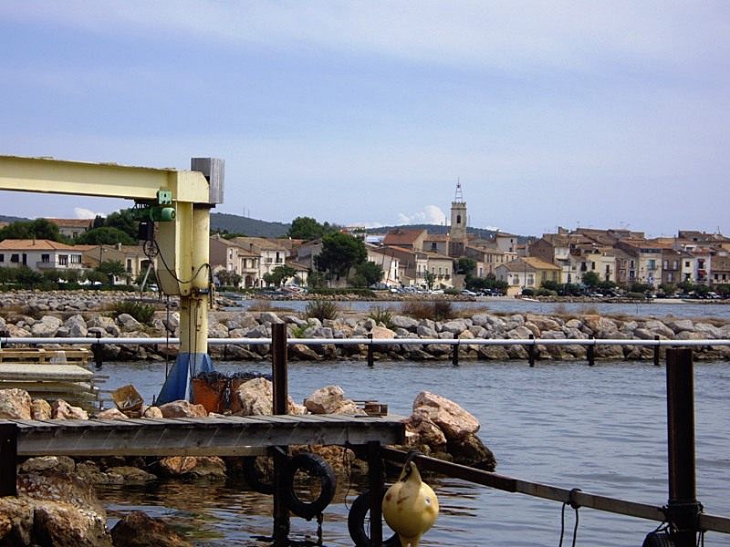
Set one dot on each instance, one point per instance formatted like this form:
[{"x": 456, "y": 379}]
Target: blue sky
[{"x": 603, "y": 114}]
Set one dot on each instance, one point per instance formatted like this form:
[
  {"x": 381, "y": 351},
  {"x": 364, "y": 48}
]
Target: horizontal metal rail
[
  {"x": 375, "y": 341},
  {"x": 574, "y": 496}
]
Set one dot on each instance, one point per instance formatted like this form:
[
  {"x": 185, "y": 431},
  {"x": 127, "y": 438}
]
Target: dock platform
[{"x": 219, "y": 435}]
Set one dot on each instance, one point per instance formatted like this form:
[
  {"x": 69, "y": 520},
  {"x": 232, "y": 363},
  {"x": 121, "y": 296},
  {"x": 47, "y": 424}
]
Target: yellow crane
[{"x": 180, "y": 202}]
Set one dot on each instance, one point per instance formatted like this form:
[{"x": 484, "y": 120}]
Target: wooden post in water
[
  {"x": 8, "y": 459},
  {"x": 531, "y": 351},
  {"x": 371, "y": 352},
  {"x": 683, "y": 508},
  {"x": 280, "y": 406},
  {"x": 656, "y": 351},
  {"x": 591, "y": 353},
  {"x": 455, "y": 355}
]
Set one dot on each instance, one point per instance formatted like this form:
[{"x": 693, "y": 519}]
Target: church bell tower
[{"x": 457, "y": 235}]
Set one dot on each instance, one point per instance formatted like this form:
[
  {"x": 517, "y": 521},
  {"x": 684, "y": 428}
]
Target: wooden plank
[
  {"x": 25, "y": 372},
  {"x": 196, "y": 436}
]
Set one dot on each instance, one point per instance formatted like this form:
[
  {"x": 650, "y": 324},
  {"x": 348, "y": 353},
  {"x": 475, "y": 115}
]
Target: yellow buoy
[{"x": 410, "y": 506}]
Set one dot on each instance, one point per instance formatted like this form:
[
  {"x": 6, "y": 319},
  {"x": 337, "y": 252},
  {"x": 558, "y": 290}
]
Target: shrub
[
  {"x": 141, "y": 312},
  {"x": 321, "y": 309},
  {"x": 437, "y": 310},
  {"x": 382, "y": 315}
]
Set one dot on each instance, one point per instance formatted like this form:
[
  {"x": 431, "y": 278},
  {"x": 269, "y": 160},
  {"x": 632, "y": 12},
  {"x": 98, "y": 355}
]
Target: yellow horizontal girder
[{"x": 53, "y": 176}]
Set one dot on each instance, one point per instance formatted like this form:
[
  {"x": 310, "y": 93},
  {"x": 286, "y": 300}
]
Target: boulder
[
  {"x": 61, "y": 410},
  {"x": 128, "y": 323},
  {"x": 182, "y": 409},
  {"x": 15, "y": 404},
  {"x": 331, "y": 400},
  {"x": 453, "y": 420},
  {"x": 255, "y": 398},
  {"x": 46, "y": 327},
  {"x": 138, "y": 530},
  {"x": 40, "y": 409}
]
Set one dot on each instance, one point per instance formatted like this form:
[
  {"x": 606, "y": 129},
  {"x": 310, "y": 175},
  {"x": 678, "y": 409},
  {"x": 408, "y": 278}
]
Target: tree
[
  {"x": 591, "y": 280},
  {"x": 466, "y": 266},
  {"x": 307, "y": 228},
  {"x": 39, "y": 228},
  {"x": 124, "y": 221},
  {"x": 371, "y": 272},
  {"x": 340, "y": 252},
  {"x": 112, "y": 269},
  {"x": 105, "y": 236},
  {"x": 429, "y": 278},
  {"x": 279, "y": 275}
]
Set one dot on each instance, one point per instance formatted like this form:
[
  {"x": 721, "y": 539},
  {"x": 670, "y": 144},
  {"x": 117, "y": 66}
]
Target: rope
[{"x": 575, "y": 507}]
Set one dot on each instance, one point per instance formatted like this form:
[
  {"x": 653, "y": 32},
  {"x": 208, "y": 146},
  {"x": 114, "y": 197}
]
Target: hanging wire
[{"x": 575, "y": 507}]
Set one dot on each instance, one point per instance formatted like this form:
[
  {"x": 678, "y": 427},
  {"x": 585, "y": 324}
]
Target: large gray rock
[
  {"x": 404, "y": 322},
  {"x": 46, "y": 327}
]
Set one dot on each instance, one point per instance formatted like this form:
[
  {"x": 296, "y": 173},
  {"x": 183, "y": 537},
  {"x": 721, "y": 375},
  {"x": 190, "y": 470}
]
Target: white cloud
[
  {"x": 431, "y": 214},
  {"x": 82, "y": 213}
]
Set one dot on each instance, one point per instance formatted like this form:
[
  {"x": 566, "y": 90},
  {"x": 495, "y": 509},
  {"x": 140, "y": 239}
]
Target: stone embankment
[
  {"x": 61, "y": 315},
  {"x": 57, "y": 505}
]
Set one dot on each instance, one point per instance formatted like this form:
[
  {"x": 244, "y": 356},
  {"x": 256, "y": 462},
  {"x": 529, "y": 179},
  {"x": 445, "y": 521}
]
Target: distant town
[{"x": 584, "y": 261}]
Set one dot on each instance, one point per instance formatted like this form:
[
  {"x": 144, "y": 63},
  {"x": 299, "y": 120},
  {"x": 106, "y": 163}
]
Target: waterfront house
[
  {"x": 406, "y": 239},
  {"x": 388, "y": 262},
  {"x": 72, "y": 227},
  {"x": 132, "y": 257},
  {"x": 39, "y": 255},
  {"x": 231, "y": 257},
  {"x": 271, "y": 252},
  {"x": 527, "y": 273}
]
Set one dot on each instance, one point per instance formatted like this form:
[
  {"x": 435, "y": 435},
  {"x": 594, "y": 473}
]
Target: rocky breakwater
[
  {"x": 255, "y": 326},
  {"x": 57, "y": 505}
]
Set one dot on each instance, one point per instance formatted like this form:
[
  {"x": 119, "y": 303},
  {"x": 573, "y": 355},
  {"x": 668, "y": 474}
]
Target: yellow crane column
[{"x": 180, "y": 201}]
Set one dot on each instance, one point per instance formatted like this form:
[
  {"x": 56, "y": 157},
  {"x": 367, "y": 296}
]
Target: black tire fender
[
  {"x": 253, "y": 478},
  {"x": 315, "y": 466},
  {"x": 356, "y": 523}
]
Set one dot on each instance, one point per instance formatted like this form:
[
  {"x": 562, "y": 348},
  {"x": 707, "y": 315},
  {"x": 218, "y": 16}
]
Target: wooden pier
[{"x": 219, "y": 435}]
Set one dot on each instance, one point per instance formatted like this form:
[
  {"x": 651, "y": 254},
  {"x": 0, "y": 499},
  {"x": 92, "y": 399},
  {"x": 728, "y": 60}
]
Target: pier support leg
[
  {"x": 591, "y": 354},
  {"x": 455, "y": 355},
  {"x": 371, "y": 352},
  {"x": 280, "y": 407},
  {"x": 656, "y": 351},
  {"x": 8, "y": 459},
  {"x": 375, "y": 475},
  {"x": 683, "y": 508},
  {"x": 531, "y": 352}
]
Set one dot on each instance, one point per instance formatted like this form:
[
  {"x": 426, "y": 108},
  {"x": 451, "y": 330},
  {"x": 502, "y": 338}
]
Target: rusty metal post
[
  {"x": 371, "y": 352},
  {"x": 683, "y": 508},
  {"x": 280, "y": 406},
  {"x": 656, "y": 351},
  {"x": 375, "y": 476},
  {"x": 8, "y": 459},
  {"x": 531, "y": 352}
]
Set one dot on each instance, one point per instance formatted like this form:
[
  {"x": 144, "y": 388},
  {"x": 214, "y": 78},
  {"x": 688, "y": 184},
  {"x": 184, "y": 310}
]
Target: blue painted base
[{"x": 177, "y": 383}]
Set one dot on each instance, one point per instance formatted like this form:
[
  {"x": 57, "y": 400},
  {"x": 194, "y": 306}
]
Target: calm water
[
  {"x": 658, "y": 309},
  {"x": 601, "y": 429}
]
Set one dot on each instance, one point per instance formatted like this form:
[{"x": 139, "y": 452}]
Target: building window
[
  {"x": 63, "y": 260},
  {"x": 75, "y": 259},
  {"x": 45, "y": 258},
  {"x": 15, "y": 258},
  {"x": 2, "y": 258}
]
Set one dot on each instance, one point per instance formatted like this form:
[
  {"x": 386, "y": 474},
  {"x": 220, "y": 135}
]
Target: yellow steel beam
[{"x": 53, "y": 176}]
